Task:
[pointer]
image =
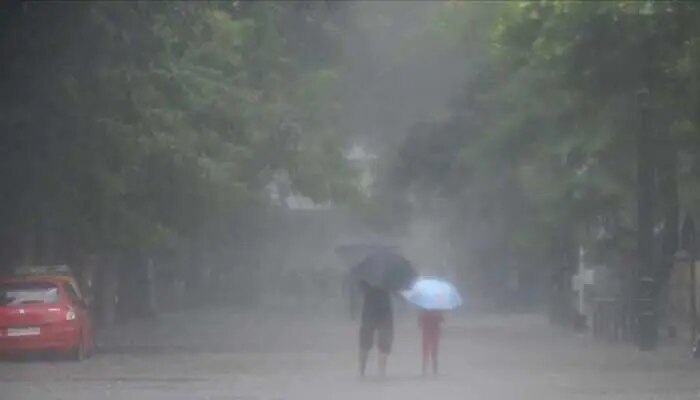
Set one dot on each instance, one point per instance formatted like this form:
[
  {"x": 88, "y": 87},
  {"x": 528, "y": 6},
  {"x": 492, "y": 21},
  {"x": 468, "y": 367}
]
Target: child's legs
[
  {"x": 430, "y": 348},
  {"x": 430, "y": 345},
  {"x": 426, "y": 346},
  {"x": 434, "y": 345}
]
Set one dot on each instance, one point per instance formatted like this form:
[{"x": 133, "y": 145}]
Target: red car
[{"x": 44, "y": 312}]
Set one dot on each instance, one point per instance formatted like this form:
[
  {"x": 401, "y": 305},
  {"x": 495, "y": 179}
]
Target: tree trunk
[
  {"x": 28, "y": 255},
  {"x": 646, "y": 285},
  {"x": 106, "y": 286},
  {"x": 668, "y": 190},
  {"x": 561, "y": 308}
]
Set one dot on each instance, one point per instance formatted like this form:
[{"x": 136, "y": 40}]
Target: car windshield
[{"x": 13, "y": 294}]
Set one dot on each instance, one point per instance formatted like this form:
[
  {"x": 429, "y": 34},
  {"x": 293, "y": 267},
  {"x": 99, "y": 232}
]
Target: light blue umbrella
[{"x": 433, "y": 294}]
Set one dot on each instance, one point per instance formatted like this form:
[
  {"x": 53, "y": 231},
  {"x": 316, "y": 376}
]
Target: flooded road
[{"x": 225, "y": 355}]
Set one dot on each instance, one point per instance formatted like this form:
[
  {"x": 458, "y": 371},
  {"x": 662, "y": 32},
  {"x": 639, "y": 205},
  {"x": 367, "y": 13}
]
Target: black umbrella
[
  {"x": 354, "y": 253},
  {"x": 386, "y": 270}
]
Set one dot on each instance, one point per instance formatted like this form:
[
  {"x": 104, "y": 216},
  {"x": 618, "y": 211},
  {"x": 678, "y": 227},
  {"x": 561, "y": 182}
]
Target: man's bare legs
[
  {"x": 382, "y": 360},
  {"x": 363, "y": 362}
]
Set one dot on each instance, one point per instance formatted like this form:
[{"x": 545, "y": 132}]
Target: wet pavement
[{"x": 221, "y": 355}]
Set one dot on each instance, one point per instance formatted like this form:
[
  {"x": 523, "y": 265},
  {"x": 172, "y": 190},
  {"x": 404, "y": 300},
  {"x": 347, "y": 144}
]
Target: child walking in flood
[
  {"x": 432, "y": 296},
  {"x": 430, "y": 322}
]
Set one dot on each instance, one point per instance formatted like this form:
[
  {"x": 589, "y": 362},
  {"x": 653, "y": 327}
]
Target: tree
[
  {"x": 547, "y": 124},
  {"x": 139, "y": 130}
]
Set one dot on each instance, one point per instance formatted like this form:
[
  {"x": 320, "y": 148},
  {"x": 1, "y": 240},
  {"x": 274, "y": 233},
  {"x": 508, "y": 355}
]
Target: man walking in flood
[{"x": 377, "y": 320}]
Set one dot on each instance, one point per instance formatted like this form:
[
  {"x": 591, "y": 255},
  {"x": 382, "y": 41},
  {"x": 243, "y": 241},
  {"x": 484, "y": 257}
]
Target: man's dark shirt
[{"x": 377, "y": 305}]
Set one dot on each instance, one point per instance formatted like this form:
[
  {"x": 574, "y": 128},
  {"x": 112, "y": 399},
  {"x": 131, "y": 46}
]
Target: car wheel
[
  {"x": 89, "y": 350},
  {"x": 79, "y": 353}
]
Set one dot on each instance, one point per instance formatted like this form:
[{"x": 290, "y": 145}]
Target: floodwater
[{"x": 222, "y": 354}]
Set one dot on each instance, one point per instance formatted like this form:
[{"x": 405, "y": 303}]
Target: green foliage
[
  {"x": 546, "y": 127},
  {"x": 148, "y": 126}
]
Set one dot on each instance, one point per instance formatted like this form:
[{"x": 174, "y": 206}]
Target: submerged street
[{"x": 226, "y": 355}]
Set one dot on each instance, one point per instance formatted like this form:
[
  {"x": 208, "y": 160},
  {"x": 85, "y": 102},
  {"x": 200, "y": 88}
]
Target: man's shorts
[{"x": 385, "y": 335}]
